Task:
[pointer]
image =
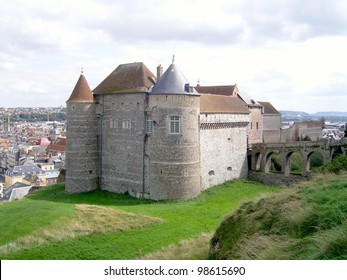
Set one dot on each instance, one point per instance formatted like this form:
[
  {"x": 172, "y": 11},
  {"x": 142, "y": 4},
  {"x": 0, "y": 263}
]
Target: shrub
[
  {"x": 336, "y": 165},
  {"x": 276, "y": 162},
  {"x": 316, "y": 160}
]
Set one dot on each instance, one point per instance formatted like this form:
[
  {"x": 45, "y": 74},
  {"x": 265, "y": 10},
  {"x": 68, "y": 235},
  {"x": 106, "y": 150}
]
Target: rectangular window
[
  {"x": 126, "y": 124},
  {"x": 175, "y": 125},
  {"x": 113, "y": 123},
  {"x": 149, "y": 125}
]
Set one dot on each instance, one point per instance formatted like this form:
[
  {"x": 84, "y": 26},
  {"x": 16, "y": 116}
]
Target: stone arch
[
  {"x": 286, "y": 163},
  {"x": 257, "y": 160},
  {"x": 306, "y": 163},
  {"x": 267, "y": 162},
  {"x": 249, "y": 161},
  {"x": 296, "y": 162},
  {"x": 256, "y": 163}
]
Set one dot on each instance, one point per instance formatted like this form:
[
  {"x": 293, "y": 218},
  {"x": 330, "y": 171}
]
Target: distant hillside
[
  {"x": 294, "y": 113},
  {"x": 303, "y": 116},
  {"x": 330, "y": 114}
]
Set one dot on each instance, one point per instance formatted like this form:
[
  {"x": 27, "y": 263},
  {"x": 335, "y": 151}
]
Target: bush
[
  {"x": 276, "y": 162},
  {"x": 316, "y": 160},
  {"x": 336, "y": 165}
]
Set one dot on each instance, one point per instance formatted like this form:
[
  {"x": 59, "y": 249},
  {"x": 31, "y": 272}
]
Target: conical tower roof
[
  {"x": 173, "y": 81},
  {"x": 81, "y": 92}
]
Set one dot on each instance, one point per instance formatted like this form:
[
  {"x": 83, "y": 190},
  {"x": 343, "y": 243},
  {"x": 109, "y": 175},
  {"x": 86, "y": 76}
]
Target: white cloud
[{"x": 285, "y": 51}]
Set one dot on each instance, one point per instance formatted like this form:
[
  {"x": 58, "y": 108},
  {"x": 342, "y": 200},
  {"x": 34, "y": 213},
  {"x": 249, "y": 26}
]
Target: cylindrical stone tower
[
  {"x": 173, "y": 151},
  {"x": 82, "y": 146}
]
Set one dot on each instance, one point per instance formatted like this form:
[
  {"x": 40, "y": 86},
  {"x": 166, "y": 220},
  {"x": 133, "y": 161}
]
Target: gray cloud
[
  {"x": 133, "y": 21},
  {"x": 40, "y": 35},
  {"x": 259, "y": 21},
  {"x": 294, "y": 20}
]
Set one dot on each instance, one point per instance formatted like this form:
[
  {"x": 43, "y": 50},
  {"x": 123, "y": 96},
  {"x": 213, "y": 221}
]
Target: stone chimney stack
[{"x": 159, "y": 71}]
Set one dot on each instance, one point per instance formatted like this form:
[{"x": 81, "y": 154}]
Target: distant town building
[
  {"x": 303, "y": 131},
  {"x": 28, "y": 173},
  {"x": 15, "y": 192},
  {"x": 1, "y": 190}
]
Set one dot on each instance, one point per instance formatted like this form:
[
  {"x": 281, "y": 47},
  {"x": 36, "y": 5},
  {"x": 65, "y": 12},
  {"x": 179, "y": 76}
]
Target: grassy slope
[
  {"x": 179, "y": 220},
  {"x": 308, "y": 222}
]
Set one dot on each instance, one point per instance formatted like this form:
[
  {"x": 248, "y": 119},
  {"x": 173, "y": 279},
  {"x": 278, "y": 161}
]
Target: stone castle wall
[
  {"x": 121, "y": 126},
  {"x": 297, "y": 132},
  {"x": 81, "y": 148},
  {"x": 255, "y": 126},
  {"x": 223, "y": 147},
  {"x": 312, "y": 129},
  {"x": 272, "y": 128},
  {"x": 108, "y": 146},
  {"x": 173, "y": 160}
]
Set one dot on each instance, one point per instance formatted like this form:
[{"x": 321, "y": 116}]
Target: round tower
[
  {"x": 173, "y": 144},
  {"x": 81, "y": 147}
]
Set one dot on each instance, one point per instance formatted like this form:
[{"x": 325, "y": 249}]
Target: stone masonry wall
[
  {"x": 81, "y": 148},
  {"x": 173, "y": 160},
  {"x": 255, "y": 126},
  {"x": 312, "y": 129},
  {"x": 297, "y": 132},
  {"x": 122, "y": 142},
  {"x": 272, "y": 128},
  {"x": 223, "y": 148}
]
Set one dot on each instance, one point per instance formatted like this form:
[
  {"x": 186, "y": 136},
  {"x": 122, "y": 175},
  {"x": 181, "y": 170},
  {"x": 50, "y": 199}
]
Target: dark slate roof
[
  {"x": 19, "y": 185},
  {"x": 19, "y": 170},
  {"x": 214, "y": 104},
  {"x": 127, "y": 78},
  {"x": 219, "y": 90},
  {"x": 81, "y": 91},
  {"x": 269, "y": 109},
  {"x": 173, "y": 81},
  {"x": 249, "y": 100},
  {"x": 8, "y": 192}
]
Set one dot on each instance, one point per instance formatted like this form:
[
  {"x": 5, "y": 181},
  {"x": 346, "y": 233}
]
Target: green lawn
[{"x": 48, "y": 215}]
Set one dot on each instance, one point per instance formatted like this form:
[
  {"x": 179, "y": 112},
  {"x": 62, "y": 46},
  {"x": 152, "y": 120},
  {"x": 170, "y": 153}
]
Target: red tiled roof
[
  {"x": 60, "y": 141},
  {"x": 59, "y": 145},
  {"x": 210, "y": 103},
  {"x": 131, "y": 77},
  {"x": 219, "y": 90},
  {"x": 54, "y": 147},
  {"x": 81, "y": 91},
  {"x": 268, "y": 108}
]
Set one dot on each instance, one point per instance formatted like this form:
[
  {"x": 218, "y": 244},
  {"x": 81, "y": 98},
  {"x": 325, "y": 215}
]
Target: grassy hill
[
  {"x": 50, "y": 224},
  {"x": 305, "y": 222},
  {"x": 245, "y": 221}
]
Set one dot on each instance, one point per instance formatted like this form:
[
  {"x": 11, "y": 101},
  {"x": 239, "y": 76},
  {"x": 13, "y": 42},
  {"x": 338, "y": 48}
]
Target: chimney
[{"x": 159, "y": 71}]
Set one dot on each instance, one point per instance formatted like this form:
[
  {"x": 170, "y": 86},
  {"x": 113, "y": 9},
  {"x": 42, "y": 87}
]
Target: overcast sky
[{"x": 292, "y": 53}]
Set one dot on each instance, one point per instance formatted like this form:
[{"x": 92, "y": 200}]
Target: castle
[{"x": 154, "y": 137}]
